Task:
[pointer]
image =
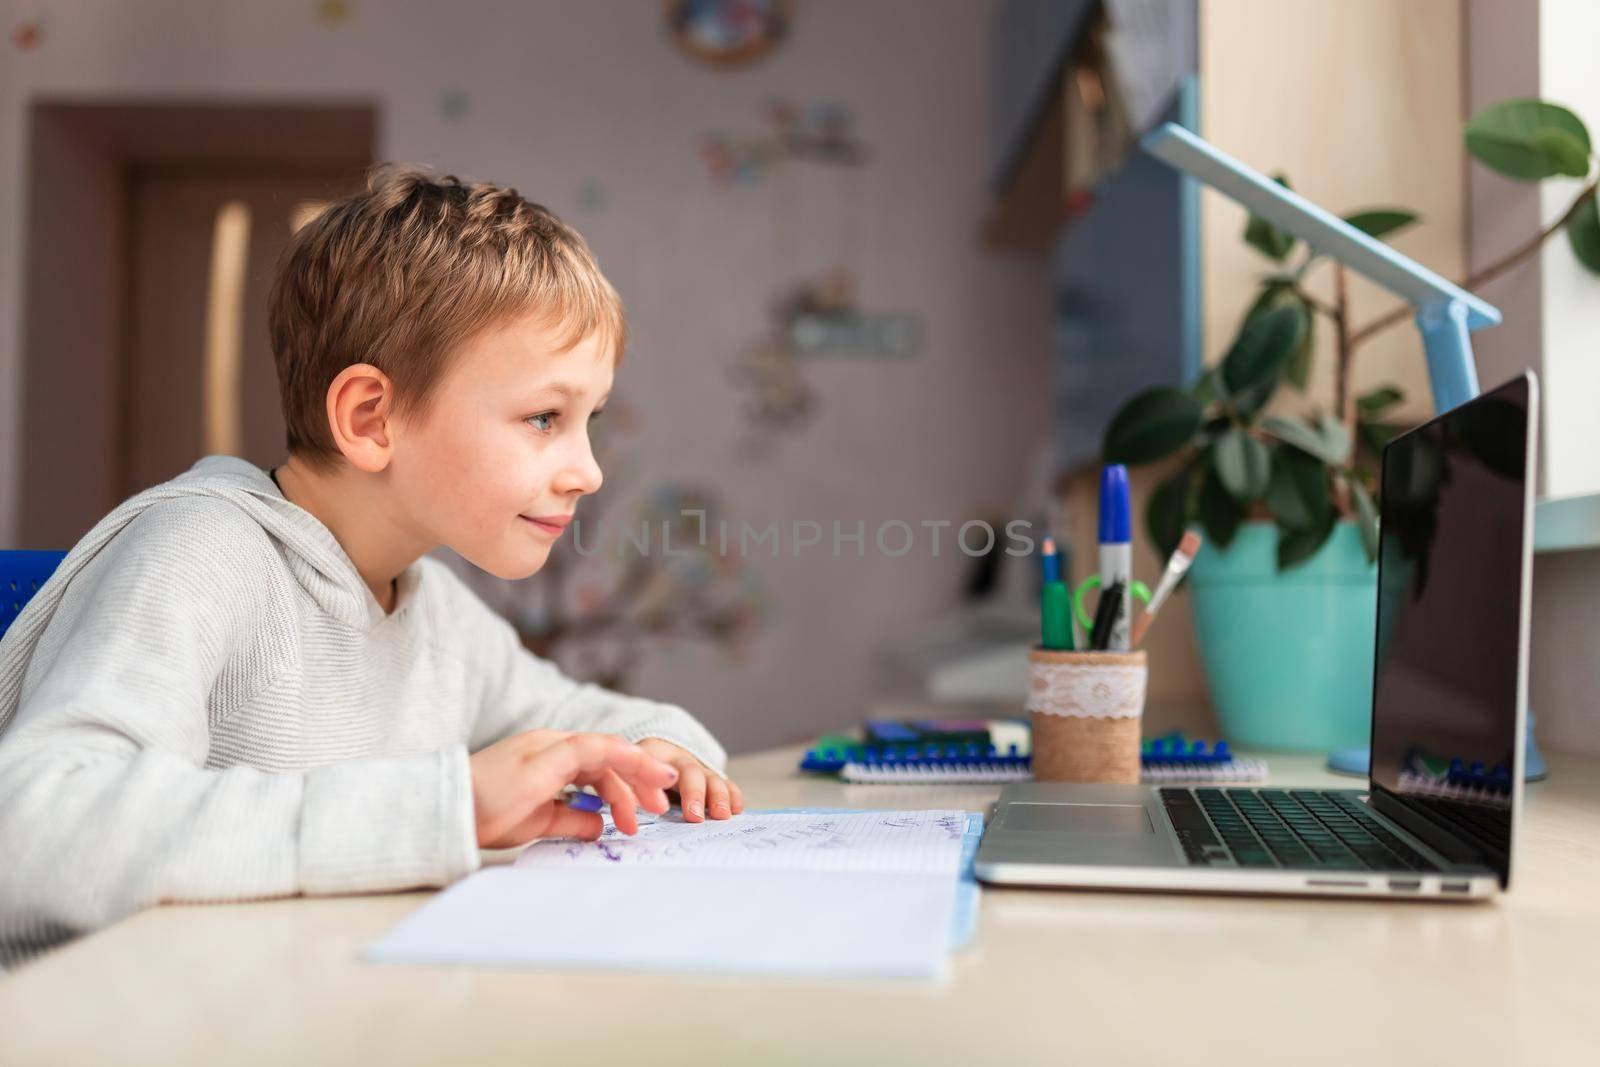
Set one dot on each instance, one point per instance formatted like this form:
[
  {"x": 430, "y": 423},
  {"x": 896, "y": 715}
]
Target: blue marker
[
  {"x": 1116, "y": 547},
  {"x": 578, "y": 801}
]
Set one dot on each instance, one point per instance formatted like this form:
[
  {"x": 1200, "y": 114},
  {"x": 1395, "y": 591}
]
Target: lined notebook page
[
  {"x": 820, "y": 894},
  {"x": 904, "y": 842}
]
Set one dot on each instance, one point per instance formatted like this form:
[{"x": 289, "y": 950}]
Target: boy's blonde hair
[{"x": 403, "y": 273}]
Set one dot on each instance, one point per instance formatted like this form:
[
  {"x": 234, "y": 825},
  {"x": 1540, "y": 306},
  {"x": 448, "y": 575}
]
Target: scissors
[{"x": 1139, "y": 591}]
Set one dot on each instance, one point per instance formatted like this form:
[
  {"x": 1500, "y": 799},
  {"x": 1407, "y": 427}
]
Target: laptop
[{"x": 1444, "y": 791}]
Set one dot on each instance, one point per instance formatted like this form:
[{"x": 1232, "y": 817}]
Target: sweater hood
[{"x": 309, "y": 549}]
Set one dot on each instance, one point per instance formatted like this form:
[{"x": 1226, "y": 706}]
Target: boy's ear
[{"x": 360, "y": 410}]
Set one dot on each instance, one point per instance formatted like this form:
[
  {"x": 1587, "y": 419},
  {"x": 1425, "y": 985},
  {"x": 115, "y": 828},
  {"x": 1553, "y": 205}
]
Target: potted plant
[{"x": 1284, "y": 586}]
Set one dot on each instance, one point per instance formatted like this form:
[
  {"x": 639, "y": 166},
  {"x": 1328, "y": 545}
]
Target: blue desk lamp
[{"x": 1446, "y": 313}]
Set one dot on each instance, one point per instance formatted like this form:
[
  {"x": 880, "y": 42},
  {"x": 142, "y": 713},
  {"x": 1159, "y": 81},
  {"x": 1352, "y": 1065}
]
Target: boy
[{"x": 247, "y": 684}]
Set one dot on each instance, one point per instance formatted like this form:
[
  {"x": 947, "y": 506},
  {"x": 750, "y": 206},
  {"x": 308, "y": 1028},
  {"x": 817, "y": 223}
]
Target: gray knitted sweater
[{"x": 206, "y": 703}]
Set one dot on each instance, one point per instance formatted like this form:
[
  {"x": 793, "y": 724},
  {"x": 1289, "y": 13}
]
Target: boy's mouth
[{"x": 550, "y": 524}]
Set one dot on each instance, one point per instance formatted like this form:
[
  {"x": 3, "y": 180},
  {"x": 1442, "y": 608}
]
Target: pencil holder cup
[{"x": 1087, "y": 709}]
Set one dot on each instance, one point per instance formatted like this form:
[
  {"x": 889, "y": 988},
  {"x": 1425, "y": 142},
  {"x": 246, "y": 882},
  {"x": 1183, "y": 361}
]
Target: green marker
[{"x": 1055, "y": 603}]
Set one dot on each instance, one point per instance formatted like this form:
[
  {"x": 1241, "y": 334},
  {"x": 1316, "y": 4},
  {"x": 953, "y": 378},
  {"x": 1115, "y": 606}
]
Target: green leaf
[
  {"x": 1297, "y": 546},
  {"x": 1153, "y": 424},
  {"x": 1297, "y": 492},
  {"x": 1220, "y": 513},
  {"x": 1336, "y": 437},
  {"x": 1529, "y": 140},
  {"x": 1328, "y": 441},
  {"x": 1583, "y": 234},
  {"x": 1567, "y": 154},
  {"x": 1379, "y": 400},
  {"x": 1253, "y": 366},
  {"x": 1243, "y": 464},
  {"x": 1298, "y": 369},
  {"x": 1266, "y": 238},
  {"x": 1375, "y": 435},
  {"x": 1375, "y": 222},
  {"x": 1168, "y": 511},
  {"x": 1272, "y": 289},
  {"x": 1209, "y": 389},
  {"x": 1366, "y": 518},
  {"x": 1275, "y": 292}
]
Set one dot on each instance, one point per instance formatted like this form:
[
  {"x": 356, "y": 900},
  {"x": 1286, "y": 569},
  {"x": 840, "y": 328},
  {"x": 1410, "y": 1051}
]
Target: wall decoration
[
  {"x": 27, "y": 35},
  {"x": 453, "y": 103},
  {"x": 779, "y": 397},
  {"x": 592, "y": 196},
  {"x": 823, "y": 319},
  {"x": 816, "y": 318},
  {"x": 818, "y": 132},
  {"x": 820, "y": 316},
  {"x": 333, "y": 12},
  {"x": 727, "y": 33}
]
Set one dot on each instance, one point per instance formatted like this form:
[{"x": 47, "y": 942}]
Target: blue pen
[
  {"x": 579, "y": 801},
  {"x": 1116, "y": 547}
]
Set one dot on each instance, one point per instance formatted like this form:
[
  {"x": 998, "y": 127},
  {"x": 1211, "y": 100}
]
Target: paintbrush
[{"x": 1177, "y": 566}]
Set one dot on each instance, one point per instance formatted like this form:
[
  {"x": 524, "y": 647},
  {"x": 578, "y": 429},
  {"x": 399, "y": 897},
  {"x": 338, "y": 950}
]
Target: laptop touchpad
[{"x": 1078, "y": 818}]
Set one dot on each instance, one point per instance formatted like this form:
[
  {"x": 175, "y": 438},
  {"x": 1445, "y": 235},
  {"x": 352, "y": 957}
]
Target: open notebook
[{"x": 820, "y": 893}]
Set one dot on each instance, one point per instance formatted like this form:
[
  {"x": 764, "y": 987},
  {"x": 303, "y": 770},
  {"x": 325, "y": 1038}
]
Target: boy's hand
[
  {"x": 516, "y": 785},
  {"x": 701, "y": 791}
]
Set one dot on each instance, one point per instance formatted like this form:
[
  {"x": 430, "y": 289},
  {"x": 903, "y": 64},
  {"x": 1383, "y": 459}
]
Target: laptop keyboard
[{"x": 1299, "y": 828}]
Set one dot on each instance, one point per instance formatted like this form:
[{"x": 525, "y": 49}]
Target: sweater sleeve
[
  {"x": 523, "y": 691},
  {"x": 106, "y": 803}
]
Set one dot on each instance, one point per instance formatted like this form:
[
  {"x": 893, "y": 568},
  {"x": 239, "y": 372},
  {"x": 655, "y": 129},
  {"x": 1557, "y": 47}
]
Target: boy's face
[{"x": 503, "y": 443}]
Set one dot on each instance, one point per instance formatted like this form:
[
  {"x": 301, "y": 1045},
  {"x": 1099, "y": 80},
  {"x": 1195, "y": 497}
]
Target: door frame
[{"x": 83, "y": 158}]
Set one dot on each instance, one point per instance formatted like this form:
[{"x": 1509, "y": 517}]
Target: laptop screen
[{"x": 1446, "y": 685}]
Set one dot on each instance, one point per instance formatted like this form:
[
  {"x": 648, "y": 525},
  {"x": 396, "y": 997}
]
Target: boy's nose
[{"x": 581, "y": 476}]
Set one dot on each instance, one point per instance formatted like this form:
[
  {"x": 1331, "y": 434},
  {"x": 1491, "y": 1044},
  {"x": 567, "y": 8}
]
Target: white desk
[{"x": 1053, "y": 977}]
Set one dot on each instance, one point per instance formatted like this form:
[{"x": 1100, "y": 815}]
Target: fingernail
[{"x": 695, "y": 808}]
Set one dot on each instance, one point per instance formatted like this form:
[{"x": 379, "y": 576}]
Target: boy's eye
[{"x": 541, "y": 421}]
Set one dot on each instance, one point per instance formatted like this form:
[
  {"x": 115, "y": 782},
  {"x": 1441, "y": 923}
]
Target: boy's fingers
[
  {"x": 653, "y": 800},
  {"x": 586, "y": 757},
  {"x": 717, "y": 806},
  {"x": 649, "y": 797},
  {"x": 550, "y": 819},
  {"x": 569, "y": 822},
  {"x": 692, "y": 794},
  {"x": 624, "y": 806}
]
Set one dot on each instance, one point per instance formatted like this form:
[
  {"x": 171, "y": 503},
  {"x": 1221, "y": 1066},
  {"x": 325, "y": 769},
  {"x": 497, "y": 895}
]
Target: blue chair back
[{"x": 21, "y": 575}]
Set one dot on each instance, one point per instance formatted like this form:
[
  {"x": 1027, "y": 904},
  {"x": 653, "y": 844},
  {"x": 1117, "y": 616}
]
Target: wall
[
  {"x": 73, "y": 287},
  {"x": 1359, "y": 103},
  {"x": 1550, "y": 305},
  {"x": 1502, "y": 63},
  {"x": 1568, "y": 75},
  {"x": 1565, "y": 671},
  {"x": 559, "y": 94}
]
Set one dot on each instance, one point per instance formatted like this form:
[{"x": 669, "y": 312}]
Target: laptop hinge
[{"x": 1448, "y": 843}]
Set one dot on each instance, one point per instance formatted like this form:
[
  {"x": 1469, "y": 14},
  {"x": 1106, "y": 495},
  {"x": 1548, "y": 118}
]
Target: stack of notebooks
[{"x": 998, "y": 750}]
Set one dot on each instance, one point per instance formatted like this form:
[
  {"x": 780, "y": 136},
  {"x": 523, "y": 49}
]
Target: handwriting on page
[{"x": 884, "y": 841}]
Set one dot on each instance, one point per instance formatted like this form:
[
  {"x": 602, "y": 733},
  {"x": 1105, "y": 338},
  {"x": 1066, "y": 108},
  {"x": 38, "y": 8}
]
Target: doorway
[{"x": 153, "y": 235}]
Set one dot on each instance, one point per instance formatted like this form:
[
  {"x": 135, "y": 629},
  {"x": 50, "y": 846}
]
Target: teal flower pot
[{"x": 1287, "y": 657}]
